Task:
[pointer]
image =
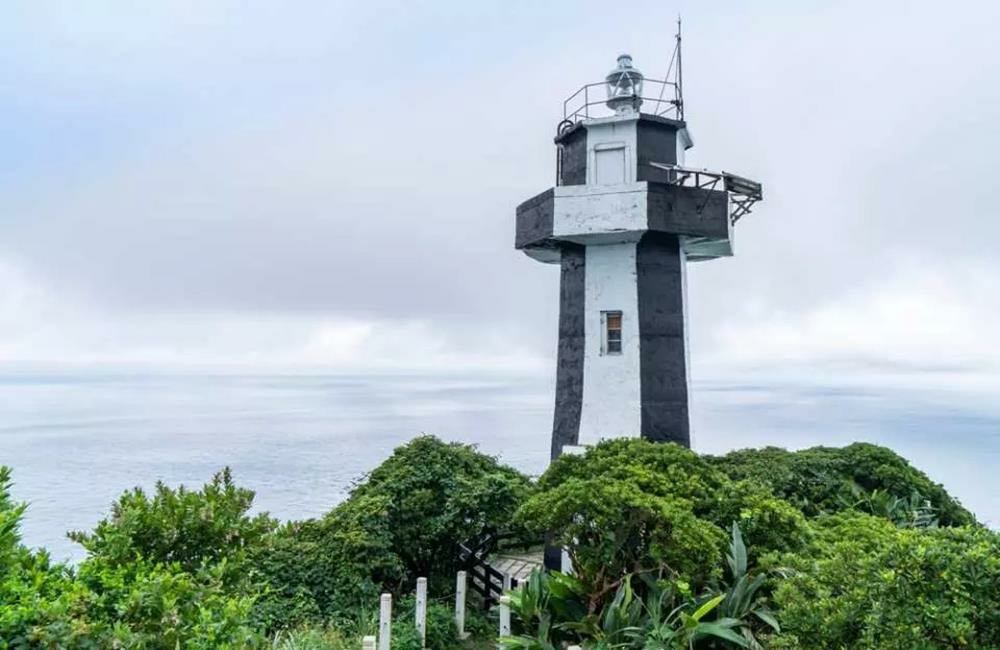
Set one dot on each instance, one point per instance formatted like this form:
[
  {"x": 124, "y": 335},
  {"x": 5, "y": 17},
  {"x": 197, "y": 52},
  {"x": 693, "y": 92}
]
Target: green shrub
[
  {"x": 553, "y": 610},
  {"x": 37, "y": 598},
  {"x": 189, "y": 528},
  {"x": 441, "y": 631},
  {"x": 161, "y": 606},
  {"x": 318, "y": 569},
  {"x": 611, "y": 529},
  {"x": 404, "y": 521},
  {"x": 768, "y": 522},
  {"x": 115, "y": 599},
  {"x": 313, "y": 638},
  {"x": 827, "y": 480},
  {"x": 437, "y": 495},
  {"x": 865, "y": 583},
  {"x": 631, "y": 506},
  {"x": 660, "y": 469}
]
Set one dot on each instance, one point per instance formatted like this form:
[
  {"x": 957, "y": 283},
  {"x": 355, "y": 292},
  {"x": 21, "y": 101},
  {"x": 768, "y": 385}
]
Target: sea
[{"x": 76, "y": 439}]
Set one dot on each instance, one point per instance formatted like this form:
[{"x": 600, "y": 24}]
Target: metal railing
[
  {"x": 743, "y": 192},
  {"x": 581, "y": 106}
]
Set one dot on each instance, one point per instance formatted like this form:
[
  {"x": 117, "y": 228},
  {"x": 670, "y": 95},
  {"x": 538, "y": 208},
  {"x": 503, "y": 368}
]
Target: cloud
[
  {"x": 223, "y": 183},
  {"x": 922, "y": 324},
  {"x": 41, "y": 327}
]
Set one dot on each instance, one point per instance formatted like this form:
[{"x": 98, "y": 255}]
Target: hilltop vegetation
[{"x": 822, "y": 548}]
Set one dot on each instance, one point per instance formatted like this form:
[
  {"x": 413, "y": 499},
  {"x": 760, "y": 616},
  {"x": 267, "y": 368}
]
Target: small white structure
[
  {"x": 461, "y": 583},
  {"x": 385, "y": 622},
  {"x": 504, "y": 616},
  {"x": 421, "y": 614}
]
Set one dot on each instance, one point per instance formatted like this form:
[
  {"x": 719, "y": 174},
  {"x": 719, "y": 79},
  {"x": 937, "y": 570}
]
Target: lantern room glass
[{"x": 624, "y": 86}]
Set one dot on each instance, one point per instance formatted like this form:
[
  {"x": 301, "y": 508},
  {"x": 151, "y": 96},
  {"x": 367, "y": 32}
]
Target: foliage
[
  {"x": 318, "y": 569},
  {"x": 107, "y": 603},
  {"x": 545, "y": 599},
  {"x": 635, "y": 507},
  {"x": 147, "y": 605},
  {"x": 441, "y": 631},
  {"x": 743, "y": 601},
  {"x": 552, "y": 610},
  {"x": 771, "y": 523},
  {"x": 645, "y": 525},
  {"x": 613, "y": 529},
  {"x": 827, "y": 480},
  {"x": 189, "y": 528},
  {"x": 863, "y": 582},
  {"x": 439, "y": 494},
  {"x": 313, "y": 638},
  {"x": 404, "y": 521}
]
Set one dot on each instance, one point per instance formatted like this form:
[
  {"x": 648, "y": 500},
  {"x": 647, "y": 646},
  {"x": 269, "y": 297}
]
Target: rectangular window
[{"x": 611, "y": 322}]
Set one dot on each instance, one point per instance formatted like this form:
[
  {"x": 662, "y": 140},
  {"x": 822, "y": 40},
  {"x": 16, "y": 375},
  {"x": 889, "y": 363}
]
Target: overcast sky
[{"x": 331, "y": 186}]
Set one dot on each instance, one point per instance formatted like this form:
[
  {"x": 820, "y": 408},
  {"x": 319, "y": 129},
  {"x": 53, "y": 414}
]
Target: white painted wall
[
  {"x": 611, "y": 398},
  {"x": 587, "y": 214},
  {"x": 617, "y": 133}
]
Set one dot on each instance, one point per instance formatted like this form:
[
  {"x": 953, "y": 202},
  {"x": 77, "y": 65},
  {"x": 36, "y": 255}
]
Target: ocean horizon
[{"x": 75, "y": 440}]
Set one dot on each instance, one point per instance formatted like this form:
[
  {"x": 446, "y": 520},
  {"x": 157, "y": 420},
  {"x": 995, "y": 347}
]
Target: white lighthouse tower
[{"x": 623, "y": 221}]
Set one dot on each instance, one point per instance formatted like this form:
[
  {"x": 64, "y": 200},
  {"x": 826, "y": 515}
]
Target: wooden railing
[{"x": 485, "y": 580}]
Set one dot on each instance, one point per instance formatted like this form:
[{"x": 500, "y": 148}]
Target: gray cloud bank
[{"x": 331, "y": 186}]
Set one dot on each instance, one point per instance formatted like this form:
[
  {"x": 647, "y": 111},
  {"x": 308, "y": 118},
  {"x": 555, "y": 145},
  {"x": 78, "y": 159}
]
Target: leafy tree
[
  {"x": 319, "y": 569},
  {"x": 112, "y": 601},
  {"x": 403, "y": 521},
  {"x": 189, "y": 528},
  {"x": 612, "y": 529},
  {"x": 864, "y": 583},
  {"x": 632, "y": 506},
  {"x": 439, "y": 494},
  {"x": 826, "y": 480},
  {"x": 162, "y": 607},
  {"x": 552, "y": 610}
]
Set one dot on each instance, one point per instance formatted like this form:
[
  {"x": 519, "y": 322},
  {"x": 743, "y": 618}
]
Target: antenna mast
[{"x": 680, "y": 73}]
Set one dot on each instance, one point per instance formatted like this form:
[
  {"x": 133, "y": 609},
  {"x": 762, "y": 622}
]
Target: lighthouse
[{"x": 625, "y": 218}]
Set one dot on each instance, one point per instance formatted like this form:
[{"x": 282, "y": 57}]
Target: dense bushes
[
  {"x": 315, "y": 569},
  {"x": 124, "y": 596},
  {"x": 847, "y": 548},
  {"x": 403, "y": 521},
  {"x": 864, "y": 583},
  {"x": 645, "y": 613},
  {"x": 192, "y": 569},
  {"x": 437, "y": 495},
  {"x": 826, "y": 479},
  {"x": 880, "y": 574},
  {"x": 631, "y": 506}
]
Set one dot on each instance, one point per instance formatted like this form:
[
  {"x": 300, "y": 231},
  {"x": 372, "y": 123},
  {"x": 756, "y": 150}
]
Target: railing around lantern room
[{"x": 591, "y": 101}]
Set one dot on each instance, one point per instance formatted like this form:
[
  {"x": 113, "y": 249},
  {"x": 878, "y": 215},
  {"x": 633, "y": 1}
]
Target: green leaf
[
  {"x": 707, "y": 607},
  {"x": 767, "y": 617},
  {"x": 720, "y": 632}
]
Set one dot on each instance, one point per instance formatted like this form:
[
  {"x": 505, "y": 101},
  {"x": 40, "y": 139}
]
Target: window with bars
[{"x": 611, "y": 322}]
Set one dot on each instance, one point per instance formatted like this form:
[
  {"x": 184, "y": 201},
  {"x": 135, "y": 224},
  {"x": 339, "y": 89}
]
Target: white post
[
  {"x": 574, "y": 647},
  {"x": 504, "y": 616},
  {"x": 460, "y": 604},
  {"x": 421, "y": 614},
  {"x": 506, "y": 582},
  {"x": 368, "y": 643},
  {"x": 385, "y": 622}
]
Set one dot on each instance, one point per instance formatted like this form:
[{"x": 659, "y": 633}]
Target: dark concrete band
[
  {"x": 569, "y": 364},
  {"x": 663, "y": 357}
]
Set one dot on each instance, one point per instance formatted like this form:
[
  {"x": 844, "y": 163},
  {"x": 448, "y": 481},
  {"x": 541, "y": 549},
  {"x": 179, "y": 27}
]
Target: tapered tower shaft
[{"x": 623, "y": 221}]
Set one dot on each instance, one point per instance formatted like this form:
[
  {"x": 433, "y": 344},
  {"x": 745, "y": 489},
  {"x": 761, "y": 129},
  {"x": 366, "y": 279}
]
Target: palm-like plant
[
  {"x": 676, "y": 628},
  {"x": 552, "y": 609},
  {"x": 742, "y": 603}
]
